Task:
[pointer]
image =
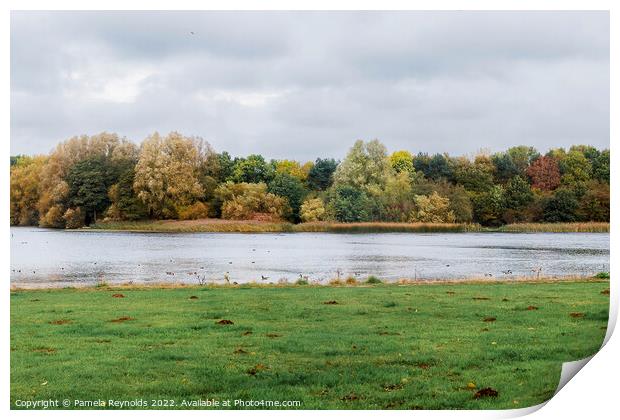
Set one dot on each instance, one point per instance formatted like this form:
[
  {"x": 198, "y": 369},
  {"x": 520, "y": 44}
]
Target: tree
[
  {"x": 436, "y": 167},
  {"x": 293, "y": 168},
  {"x": 544, "y": 173},
  {"x": 88, "y": 182},
  {"x": 74, "y": 219},
  {"x": 402, "y": 161},
  {"x": 600, "y": 167},
  {"x": 54, "y": 192},
  {"x": 348, "y": 204},
  {"x": 25, "y": 190},
  {"x": 561, "y": 207},
  {"x": 518, "y": 196},
  {"x": 432, "y": 209},
  {"x": 312, "y": 210},
  {"x": 167, "y": 174},
  {"x": 366, "y": 167},
  {"x": 291, "y": 188},
  {"x": 396, "y": 199},
  {"x": 576, "y": 171},
  {"x": 595, "y": 203},
  {"x": 125, "y": 205},
  {"x": 320, "y": 176},
  {"x": 489, "y": 206},
  {"x": 474, "y": 176},
  {"x": 253, "y": 169}
]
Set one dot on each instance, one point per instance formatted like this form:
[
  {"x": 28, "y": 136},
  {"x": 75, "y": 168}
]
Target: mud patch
[
  {"x": 577, "y": 314},
  {"x": 605, "y": 292},
  {"x": 193, "y": 297},
  {"x": 247, "y": 333},
  {"x": 485, "y": 393},
  {"x": 273, "y": 335},
  {"x": 225, "y": 322},
  {"x": 330, "y": 302},
  {"x": 480, "y": 298},
  {"x": 423, "y": 366},
  {"x": 118, "y": 295},
  {"x": 531, "y": 308},
  {"x": 122, "y": 319},
  {"x": 44, "y": 350},
  {"x": 489, "y": 319},
  {"x": 60, "y": 322},
  {"x": 351, "y": 397},
  {"x": 240, "y": 351},
  {"x": 256, "y": 369},
  {"x": 392, "y": 387}
]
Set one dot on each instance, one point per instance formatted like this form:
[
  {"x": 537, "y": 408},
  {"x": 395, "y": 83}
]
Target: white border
[{"x": 593, "y": 394}]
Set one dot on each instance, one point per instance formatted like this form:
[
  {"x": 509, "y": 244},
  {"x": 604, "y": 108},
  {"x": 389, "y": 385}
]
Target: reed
[
  {"x": 378, "y": 227},
  {"x": 594, "y": 227}
]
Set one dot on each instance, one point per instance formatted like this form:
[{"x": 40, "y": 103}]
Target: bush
[
  {"x": 312, "y": 210},
  {"x": 373, "y": 280},
  {"x": 602, "y": 275},
  {"x": 53, "y": 218},
  {"x": 245, "y": 201},
  {"x": 198, "y": 210},
  {"x": 74, "y": 219}
]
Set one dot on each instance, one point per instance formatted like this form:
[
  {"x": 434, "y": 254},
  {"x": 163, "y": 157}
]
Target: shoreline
[
  {"x": 330, "y": 284},
  {"x": 253, "y": 226}
]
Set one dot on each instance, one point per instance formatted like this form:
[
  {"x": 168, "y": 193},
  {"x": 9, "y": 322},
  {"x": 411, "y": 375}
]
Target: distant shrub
[
  {"x": 244, "y": 201},
  {"x": 373, "y": 280},
  {"x": 351, "y": 280},
  {"x": 53, "y": 218},
  {"x": 198, "y": 210},
  {"x": 302, "y": 282},
  {"x": 74, "y": 218},
  {"x": 602, "y": 275},
  {"x": 312, "y": 210}
]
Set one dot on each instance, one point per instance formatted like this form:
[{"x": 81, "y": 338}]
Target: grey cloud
[{"x": 307, "y": 84}]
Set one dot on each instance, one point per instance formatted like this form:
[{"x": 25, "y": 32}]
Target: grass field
[
  {"x": 251, "y": 226},
  {"x": 377, "y": 347}
]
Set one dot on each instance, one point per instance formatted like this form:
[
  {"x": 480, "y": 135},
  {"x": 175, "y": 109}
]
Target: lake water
[{"x": 44, "y": 257}]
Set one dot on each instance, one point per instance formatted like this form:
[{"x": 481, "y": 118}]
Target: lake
[{"x": 57, "y": 258}]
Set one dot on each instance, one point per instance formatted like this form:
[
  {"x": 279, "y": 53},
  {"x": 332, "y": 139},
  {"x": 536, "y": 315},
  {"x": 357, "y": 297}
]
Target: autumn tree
[
  {"x": 312, "y": 210},
  {"x": 432, "y": 209},
  {"x": 167, "y": 173},
  {"x": 402, "y": 161},
  {"x": 25, "y": 190},
  {"x": 544, "y": 173}
]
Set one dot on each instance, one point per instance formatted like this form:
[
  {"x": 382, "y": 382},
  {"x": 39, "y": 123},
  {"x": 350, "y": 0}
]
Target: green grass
[
  {"x": 374, "y": 347},
  {"x": 249, "y": 226}
]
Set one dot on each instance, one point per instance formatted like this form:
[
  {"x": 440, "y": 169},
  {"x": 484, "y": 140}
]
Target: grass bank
[
  {"x": 250, "y": 226},
  {"x": 394, "y": 346}
]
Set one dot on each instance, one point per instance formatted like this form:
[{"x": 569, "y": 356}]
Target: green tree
[
  {"x": 125, "y": 205},
  {"x": 366, "y": 167},
  {"x": 88, "y": 182},
  {"x": 291, "y": 188},
  {"x": 253, "y": 169},
  {"x": 489, "y": 206},
  {"x": 561, "y": 207},
  {"x": 600, "y": 167},
  {"x": 348, "y": 204},
  {"x": 320, "y": 176}
]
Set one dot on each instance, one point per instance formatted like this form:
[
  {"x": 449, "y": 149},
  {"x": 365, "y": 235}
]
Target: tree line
[{"x": 103, "y": 177}]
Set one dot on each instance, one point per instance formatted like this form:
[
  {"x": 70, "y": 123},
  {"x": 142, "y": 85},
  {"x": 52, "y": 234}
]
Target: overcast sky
[{"x": 308, "y": 84}]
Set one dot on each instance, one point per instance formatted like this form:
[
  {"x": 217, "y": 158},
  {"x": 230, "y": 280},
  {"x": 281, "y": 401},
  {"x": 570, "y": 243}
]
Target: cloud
[{"x": 307, "y": 84}]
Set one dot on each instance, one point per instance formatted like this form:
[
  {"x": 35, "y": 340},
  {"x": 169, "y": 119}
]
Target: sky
[{"x": 303, "y": 85}]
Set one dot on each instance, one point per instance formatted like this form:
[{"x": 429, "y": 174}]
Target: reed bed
[
  {"x": 253, "y": 226},
  {"x": 593, "y": 227}
]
